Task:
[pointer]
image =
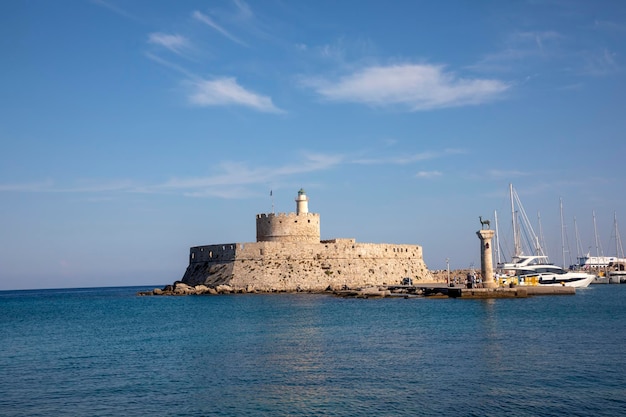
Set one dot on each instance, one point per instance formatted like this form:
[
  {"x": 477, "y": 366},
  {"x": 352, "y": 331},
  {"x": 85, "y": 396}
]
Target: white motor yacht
[{"x": 529, "y": 270}]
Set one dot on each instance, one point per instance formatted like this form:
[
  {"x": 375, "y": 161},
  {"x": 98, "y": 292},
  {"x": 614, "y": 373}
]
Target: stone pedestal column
[{"x": 486, "y": 259}]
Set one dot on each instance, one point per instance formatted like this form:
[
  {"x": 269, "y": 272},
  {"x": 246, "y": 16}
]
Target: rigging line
[{"x": 579, "y": 247}]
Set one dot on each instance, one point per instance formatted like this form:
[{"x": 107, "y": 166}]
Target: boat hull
[
  {"x": 573, "y": 282},
  {"x": 617, "y": 277}
]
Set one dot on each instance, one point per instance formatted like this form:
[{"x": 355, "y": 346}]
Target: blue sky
[{"x": 132, "y": 130}]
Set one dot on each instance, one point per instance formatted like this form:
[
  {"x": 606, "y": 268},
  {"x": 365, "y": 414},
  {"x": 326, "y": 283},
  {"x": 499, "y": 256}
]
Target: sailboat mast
[
  {"x": 595, "y": 230},
  {"x": 619, "y": 250},
  {"x": 579, "y": 246},
  {"x": 541, "y": 242},
  {"x": 562, "y": 232},
  {"x": 516, "y": 242},
  {"x": 495, "y": 217},
  {"x": 564, "y": 238}
]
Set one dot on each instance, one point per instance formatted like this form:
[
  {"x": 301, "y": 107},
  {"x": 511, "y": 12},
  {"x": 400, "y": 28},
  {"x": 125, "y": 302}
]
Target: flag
[{"x": 270, "y": 193}]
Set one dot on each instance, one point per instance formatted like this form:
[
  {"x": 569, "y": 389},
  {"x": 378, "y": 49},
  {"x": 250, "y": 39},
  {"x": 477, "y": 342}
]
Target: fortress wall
[
  {"x": 289, "y": 266},
  {"x": 289, "y": 256},
  {"x": 328, "y": 249},
  {"x": 292, "y": 227},
  {"x": 205, "y": 253}
]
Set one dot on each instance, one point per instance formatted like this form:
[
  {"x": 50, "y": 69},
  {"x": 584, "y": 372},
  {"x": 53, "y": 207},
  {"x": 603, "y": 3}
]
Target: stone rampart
[
  {"x": 212, "y": 253},
  {"x": 292, "y": 266}
]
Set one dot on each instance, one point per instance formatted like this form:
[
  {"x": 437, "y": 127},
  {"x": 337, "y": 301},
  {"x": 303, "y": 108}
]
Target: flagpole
[{"x": 272, "y": 197}]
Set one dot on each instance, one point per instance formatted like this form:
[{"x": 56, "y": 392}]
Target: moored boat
[
  {"x": 529, "y": 270},
  {"x": 594, "y": 262},
  {"x": 534, "y": 269},
  {"x": 616, "y": 272}
]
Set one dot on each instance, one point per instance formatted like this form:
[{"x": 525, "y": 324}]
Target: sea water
[{"x": 109, "y": 352}]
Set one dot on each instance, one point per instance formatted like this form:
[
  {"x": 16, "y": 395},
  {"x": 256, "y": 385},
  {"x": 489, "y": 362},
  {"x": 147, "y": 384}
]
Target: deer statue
[{"x": 484, "y": 222}]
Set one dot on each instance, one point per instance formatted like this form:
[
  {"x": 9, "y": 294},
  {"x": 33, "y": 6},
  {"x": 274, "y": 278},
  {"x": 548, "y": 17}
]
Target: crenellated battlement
[
  {"x": 207, "y": 253},
  {"x": 288, "y": 227},
  {"x": 283, "y": 215}
]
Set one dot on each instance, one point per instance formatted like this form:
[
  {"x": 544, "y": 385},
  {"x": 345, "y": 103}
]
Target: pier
[{"x": 437, "y": 290}]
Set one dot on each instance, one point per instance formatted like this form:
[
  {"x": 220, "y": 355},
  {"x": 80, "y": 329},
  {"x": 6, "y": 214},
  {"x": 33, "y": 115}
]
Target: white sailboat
[
  {"x": 535, "y": 269},
  {"x": 616, "y": 271},
  {"x": 595, "y": 262}
]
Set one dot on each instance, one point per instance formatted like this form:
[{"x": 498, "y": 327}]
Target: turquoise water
[{"x": 108, "y": 352}]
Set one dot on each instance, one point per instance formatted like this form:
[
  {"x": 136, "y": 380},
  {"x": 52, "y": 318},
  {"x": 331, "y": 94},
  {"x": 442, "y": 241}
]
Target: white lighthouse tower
[
  {"x": 298, "y": 227},
  {"x": 302, "y": 202}
]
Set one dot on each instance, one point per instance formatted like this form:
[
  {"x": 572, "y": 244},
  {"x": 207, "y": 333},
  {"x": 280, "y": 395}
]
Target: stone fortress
[{"x": 289, "y": 256}]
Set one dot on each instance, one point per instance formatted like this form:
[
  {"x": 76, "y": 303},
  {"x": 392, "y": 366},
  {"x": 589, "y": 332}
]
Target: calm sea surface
[{"x": 108, "y": 352}]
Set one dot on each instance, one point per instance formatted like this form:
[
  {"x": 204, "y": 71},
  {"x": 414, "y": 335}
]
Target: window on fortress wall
[
  {"x": 210, "y": 254},
  {"x": 193, "y": 255},
  {"x": 309, "y": 220}
]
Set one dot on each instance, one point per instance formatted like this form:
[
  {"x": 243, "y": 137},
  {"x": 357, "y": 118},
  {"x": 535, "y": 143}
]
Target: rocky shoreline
[
  {"x": 440, "y": 277},
  {"x": 179, "y": 288}
]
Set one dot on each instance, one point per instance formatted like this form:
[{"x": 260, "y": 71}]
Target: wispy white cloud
[
  {"x": 83, "y": 186},
  {"x": 312, "y": 161},
  {"x": 201, "y": 17},
  {"x": 332, "y": 51},
  {"x": 241, "y": 174},
  {"x": 175, "y": 43},
  {"x": 115, "y": 9},
  {"x": 540, "y": 39},
  {"x": 344, "y": 51},
  {"x": 397, "y": 159},
  {"x": 171, "y": 65},
  {"x": 609, "y": 26},
  {"x": 415, "y": 87},
  {"x": 504, "y": 174},
  {"x": 600, "y": 63},
  {"x": 428, "y": 174},
  {"x": 523, "y": 51},
  {"x": 505, "y": 60},
  {"x": 407, "y": 158},
  {"x": 227, "y": 193},
  {"x": 27, "y": 187},
  {"x": 390, "y": 141},
  {"x": 226, "y": 91},
  {"x": 93, "y": 186},
  {"x": 244, "y": 12},
  {"x": 231, "y": 179},
  {"x": 520, "y": 47}
]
